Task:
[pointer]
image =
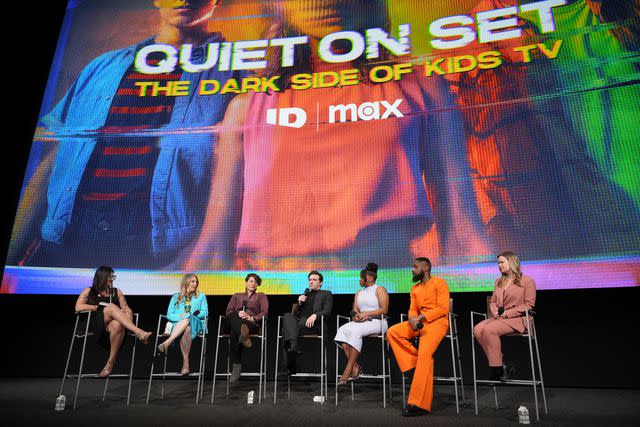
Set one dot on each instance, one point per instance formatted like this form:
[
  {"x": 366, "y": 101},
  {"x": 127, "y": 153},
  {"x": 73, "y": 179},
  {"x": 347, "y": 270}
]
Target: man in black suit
[{"x": 305, "y": 319}]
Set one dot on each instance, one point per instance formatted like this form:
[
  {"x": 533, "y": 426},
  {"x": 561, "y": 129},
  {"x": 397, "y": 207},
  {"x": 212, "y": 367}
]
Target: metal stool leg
[
  {"x": 336, "y": 377},
  {"x": 459, "y": 360},
  {"x": 322, "y": 379},
  {"x": 533, "y": 371},
  {"x": 133, "y": 359},
  {"x": 164, "y": 373},
  {"x": 104, "y": 392},
  {"x": 228, "y": 377},
  {"x": 475, "y": 378},
  {"x": 389, "y": 370},
  {"x": 326, "y": 372},
  {"x": 275, "y": 374},
  {"x": 84, "y": 346},
  {"x": 153, "y": 361},
  {"x": 384, "y": 374},
  {"x": 266, "y": 347},
  {"x": 404, "y": 392},
  {"x": 66, "y": 366},
  {"x": 544, "y": 396},
  {"x": 215, "y": 361},
  {"x": 201, "y": 366},
  {"x": 453, "y": 363},
  {"x": 262, "y": 360}
]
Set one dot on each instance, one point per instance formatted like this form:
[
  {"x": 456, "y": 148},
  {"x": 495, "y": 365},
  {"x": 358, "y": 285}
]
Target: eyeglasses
[{"x": 111, "y": 277}]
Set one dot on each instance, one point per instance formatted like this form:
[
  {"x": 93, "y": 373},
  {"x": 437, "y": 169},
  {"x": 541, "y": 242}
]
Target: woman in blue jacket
[{"x": 187, "y": 311}]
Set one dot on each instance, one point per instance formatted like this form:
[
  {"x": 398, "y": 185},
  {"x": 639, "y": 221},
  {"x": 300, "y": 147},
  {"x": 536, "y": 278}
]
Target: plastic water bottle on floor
[
  {"x": 168, "y": 328},
  {"x": 61, "y": 401},
  {"x": 523, "y": 415},
  {"x": 250, "y": 397}
]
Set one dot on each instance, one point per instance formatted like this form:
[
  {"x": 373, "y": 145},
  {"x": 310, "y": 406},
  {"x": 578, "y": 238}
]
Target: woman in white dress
[{"x": 369, "y": 304}]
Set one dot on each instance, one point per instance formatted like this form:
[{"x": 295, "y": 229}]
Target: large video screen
[{"x": 283, "y": 136}]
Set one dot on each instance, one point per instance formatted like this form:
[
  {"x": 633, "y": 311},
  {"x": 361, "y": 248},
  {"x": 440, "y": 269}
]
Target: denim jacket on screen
[{"x": 181, "y": 180}]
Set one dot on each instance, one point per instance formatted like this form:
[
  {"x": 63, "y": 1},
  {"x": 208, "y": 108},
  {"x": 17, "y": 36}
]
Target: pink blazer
[{"x": 516, "y": 300}]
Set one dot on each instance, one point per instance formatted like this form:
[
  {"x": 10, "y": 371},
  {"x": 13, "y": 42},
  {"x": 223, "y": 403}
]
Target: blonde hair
[
  {"x": 514, "y": 265},
  {"x": 184, "y": 283}
]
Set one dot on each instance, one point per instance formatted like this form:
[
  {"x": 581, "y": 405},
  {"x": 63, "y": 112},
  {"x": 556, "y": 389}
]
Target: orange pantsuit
[{"x": 432, "y": 300}]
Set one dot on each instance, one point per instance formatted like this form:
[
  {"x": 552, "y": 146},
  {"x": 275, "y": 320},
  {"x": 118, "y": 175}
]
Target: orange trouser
[{"x": 408, "y": 357}]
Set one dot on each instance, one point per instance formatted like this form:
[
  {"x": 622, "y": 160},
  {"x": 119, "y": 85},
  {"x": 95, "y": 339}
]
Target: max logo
[{"x": 297, "y": 117}]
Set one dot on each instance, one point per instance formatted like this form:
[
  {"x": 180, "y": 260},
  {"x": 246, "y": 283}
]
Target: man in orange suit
[{"x": 428, "y": 320}]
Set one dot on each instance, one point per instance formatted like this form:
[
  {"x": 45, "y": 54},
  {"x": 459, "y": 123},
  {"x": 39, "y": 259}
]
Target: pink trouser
[{"x": 488, "y": 333}]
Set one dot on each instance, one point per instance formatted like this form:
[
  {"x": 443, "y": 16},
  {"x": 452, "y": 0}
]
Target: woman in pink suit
[{"x": 513, "y": 294}]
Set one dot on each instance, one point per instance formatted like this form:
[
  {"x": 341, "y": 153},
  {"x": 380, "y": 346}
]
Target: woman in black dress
[{"x": 112, "y": 314}]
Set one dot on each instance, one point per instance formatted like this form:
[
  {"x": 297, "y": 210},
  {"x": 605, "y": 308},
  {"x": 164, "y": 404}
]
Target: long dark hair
[{"x": 100, "y": 280}]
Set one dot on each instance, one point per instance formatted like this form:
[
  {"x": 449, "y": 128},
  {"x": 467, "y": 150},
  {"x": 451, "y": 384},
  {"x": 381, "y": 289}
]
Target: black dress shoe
[
  {"x": 292, "y": 355},
  {"x": 287, "y": 372},
  {"x": 414, "y": 411},
  {"x": 497, "y": 373},
  {"x": 292, "y": 352},
  {"x": 508, "y": 371}
]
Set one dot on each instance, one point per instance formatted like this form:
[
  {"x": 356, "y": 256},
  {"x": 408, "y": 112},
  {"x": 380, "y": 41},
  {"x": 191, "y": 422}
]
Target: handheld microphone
[
  {"x": 244, "y": 305},
  {"x": 306, "y": 294},
  {"x": 500, "y": 311},
  {"x": 195, "y": 313},
  {"x": 419, "y": 325}
]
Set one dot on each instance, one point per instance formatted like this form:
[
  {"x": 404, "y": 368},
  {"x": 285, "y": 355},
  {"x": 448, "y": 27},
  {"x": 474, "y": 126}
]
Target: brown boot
[{"x": 245, "y": 340}]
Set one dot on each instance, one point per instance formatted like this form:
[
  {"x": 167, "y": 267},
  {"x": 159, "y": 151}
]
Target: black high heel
[{"x": 497, "y": 373}]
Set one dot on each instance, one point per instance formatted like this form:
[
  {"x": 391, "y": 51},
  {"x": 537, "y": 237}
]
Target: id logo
[
  {"x": 297, "y": 117},
  {"x": 289, "y": 117}
]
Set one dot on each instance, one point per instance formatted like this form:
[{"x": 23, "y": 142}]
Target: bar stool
[
  {"x": 323, "y": 361},
  {"x": 532, "y": 339},
  {"x": 386, "y": 370},
  {"x": 456, "y": 364},
  {"x": 261, "y": 374},
  {"x": 199, "y": 375},
  {"x": 83, "y": 335}
]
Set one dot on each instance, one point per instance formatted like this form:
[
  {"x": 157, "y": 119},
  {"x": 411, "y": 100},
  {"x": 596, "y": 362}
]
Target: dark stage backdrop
[{"x": 585, "y": 337}]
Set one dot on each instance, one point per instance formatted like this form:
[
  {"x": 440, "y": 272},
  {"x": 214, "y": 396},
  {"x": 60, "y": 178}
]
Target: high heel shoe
[
  {"x": 341, "y": 381},
  {"x": 144, "y": 337},
  {"x": 357, "y": 375},
  {"x": 184, "y": 372},
  {"x": 106, "y": 371},
  {"x": 162, "y": 348}
]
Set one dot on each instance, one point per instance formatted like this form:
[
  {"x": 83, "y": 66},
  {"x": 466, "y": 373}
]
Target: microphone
[
  {"x": 500, "y": 311},
  {"x": 244, "y": 305},
  {"x": 419, "y": 325},
  {"x": 195, "y": 313},
  {"x": 306, "y": 294}
]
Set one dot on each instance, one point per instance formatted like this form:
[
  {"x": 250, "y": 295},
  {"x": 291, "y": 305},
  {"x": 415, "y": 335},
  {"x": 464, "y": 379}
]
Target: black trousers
[
  {"x": 231, "y": 325},
  {"x": 293, "y": 326}
]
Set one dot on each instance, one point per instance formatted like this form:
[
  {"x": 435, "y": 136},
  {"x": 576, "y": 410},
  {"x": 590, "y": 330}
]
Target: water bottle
[
  {"x": 61, "y": 401},
  {"x": 168, "y": 328},
  {"x": 318, "y": 399},
  {"x": 523, "y": 415},
  {"x": 250, "y": 397}
]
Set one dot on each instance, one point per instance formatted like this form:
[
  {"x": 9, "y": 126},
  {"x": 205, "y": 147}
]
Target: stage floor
[{"x": 31, "y": 402}]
